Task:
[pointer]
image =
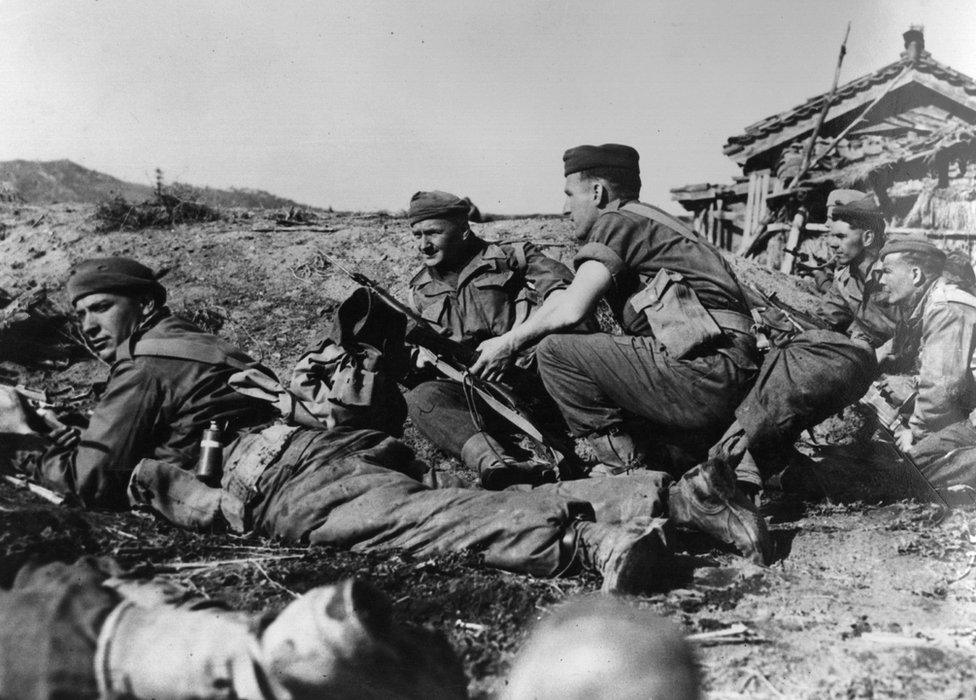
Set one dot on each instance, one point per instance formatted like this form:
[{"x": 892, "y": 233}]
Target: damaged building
[{"x": 906, "y": 132}]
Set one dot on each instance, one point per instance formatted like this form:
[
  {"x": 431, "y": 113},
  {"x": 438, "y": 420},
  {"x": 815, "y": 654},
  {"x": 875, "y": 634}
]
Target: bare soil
[{"x": 865, "y": 601}]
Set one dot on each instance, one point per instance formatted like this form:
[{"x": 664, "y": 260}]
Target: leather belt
[{"x": 732, "y": 320}]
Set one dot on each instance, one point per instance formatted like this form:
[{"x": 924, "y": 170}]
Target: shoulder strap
[
  {"x": 661, "y": 217},
  {"x": 211, "y": 353},
  {"x": 520, "y": 258}
]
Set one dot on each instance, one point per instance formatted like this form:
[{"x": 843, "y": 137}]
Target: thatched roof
[{"x": 954, "y": 141}]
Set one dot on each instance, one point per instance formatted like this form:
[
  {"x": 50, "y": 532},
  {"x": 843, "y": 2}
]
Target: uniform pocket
[{"x": 678, "y": 320}]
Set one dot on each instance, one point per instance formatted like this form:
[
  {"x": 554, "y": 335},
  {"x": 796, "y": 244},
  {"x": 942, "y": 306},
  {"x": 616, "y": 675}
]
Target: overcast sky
[{"x": 359, "y": 104}]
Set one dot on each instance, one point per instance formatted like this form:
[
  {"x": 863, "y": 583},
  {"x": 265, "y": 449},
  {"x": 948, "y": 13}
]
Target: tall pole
[{"x": 828, "y": 100}]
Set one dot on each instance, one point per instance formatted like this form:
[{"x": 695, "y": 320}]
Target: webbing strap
[
  {"x": 663, "y": 218},
  {"x": 520, "y": 256},
  {"x": 213, "y": 352}
]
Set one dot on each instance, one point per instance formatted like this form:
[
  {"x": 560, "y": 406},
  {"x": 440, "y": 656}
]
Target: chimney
[{"x": 914, "y": 43}]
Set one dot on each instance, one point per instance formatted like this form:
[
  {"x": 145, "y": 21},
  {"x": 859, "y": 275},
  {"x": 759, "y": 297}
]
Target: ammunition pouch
[{"x": 677, "y": 318}]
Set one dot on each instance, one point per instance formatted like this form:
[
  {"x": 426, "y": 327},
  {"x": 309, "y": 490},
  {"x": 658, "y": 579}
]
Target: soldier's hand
[
  {"x": 14, "y": 412},
  {"x": 904, "y": 439},
  {"x": 495, "y": 355}
]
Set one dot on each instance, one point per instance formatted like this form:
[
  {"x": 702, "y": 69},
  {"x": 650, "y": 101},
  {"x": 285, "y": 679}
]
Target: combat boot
[
  {"x": 497, "y": 469},
  {"x": 706, "y": 499},
  {"x": 617, "y": 452},
  {"x": 625, "y": 556}
]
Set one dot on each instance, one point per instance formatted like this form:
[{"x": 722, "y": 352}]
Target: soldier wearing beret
[
  {"x": 473, "y": 290},
  {"x": 854, "y": 304},
  {"x": 940, "y": 320},
  {"x": 346, "y": 485},
  {"x": 160, "y": 396},
  {"x": 687, "y": 356}
]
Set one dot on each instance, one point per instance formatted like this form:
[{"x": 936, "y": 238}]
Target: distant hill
[{"x": 45, "y": 182}]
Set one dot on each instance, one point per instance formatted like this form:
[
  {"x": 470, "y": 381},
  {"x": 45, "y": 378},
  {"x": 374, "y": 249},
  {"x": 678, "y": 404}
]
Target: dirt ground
[{"x": 865, "y": 600}]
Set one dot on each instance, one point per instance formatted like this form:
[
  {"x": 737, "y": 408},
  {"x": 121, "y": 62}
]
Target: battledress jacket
[
  {"x": 852, "y": 306},
  {"x": 496, "y": 289},
  {"x": 153, "y": 406},
  {"x": 945, "y": 319}
]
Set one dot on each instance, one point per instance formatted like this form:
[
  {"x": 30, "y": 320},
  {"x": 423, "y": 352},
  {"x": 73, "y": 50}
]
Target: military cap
[
  {"x": 114, "y": 274},
  {"x": 609, "y": 155},
  {"x": 843, "y": 197},
  {"x": 437, "y": 205},
  {"x": 918, "y": 245}
]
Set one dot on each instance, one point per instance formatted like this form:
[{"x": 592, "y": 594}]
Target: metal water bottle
[{"x": 211, "y": 455}]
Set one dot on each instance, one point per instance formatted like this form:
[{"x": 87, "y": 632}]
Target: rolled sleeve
[{"x": 601, "y": 253}]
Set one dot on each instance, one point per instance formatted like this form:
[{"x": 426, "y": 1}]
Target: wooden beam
[{"x": 841, "y": 108}]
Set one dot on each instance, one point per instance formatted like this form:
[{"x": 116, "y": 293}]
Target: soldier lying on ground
[
  {"x": 353, "y": 486},
  {"x": 474, "y": 290},
  {"x": 167, "y": 383},
  {"x": 84, "y": 631},
  {"x": 940, "y": 321}
]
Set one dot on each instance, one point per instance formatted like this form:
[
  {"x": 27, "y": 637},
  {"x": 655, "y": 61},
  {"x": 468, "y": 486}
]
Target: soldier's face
[
  {"x": 108, "y": 319},
  {"x": 582, "y": 204},
  {"x": 440, "y": 241},
  {"x": 899, "y": 279},
  {"x": 846, "y": 242}
]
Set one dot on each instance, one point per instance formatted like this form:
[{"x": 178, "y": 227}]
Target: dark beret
[
  {"x": 438, "y": 205},
  {"x": 918, "y": 245},
  {"x": 113, "y": 275},
  {"x": 609, "y": 155}
]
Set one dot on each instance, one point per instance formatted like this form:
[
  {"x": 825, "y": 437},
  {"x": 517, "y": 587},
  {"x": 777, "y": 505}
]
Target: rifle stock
[{"x": 890, "y": 423}]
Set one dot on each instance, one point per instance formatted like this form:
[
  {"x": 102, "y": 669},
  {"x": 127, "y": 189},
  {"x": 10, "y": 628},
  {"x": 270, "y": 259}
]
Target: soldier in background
[
  {"x": 854, "y": 303},
  {"x": 940, "y": 320}
]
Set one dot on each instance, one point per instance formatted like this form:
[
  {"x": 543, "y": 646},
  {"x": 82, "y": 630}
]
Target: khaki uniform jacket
[
  {"x": 152, "y": 407},
  {"x": 635, "y": 249},
  {"x": 498, "y": 288},
  {"x": 851, "y": 306},
  {"x": 946, "y": 366}
]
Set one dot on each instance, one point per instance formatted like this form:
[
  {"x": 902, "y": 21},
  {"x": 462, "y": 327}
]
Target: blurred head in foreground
[{"x": 604, "y": 648}]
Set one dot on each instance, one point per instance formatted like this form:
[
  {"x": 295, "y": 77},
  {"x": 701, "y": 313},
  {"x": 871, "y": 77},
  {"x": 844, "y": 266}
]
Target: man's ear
[
  {"x": 147, "y": 306},
  {"x": 869, "y": 238},
  {"x": 601, "y": 195},
  {"x": 918, "y": 276}
]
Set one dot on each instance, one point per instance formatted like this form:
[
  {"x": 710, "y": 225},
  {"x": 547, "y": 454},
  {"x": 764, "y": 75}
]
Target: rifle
[
  {"x": 452, "y": 359},
  {"x": 888, "y": 419},
  {"x": 801, "y": 320}
]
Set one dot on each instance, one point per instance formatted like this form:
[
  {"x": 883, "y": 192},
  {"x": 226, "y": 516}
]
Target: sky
[{"x": 357, "y": 105}]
